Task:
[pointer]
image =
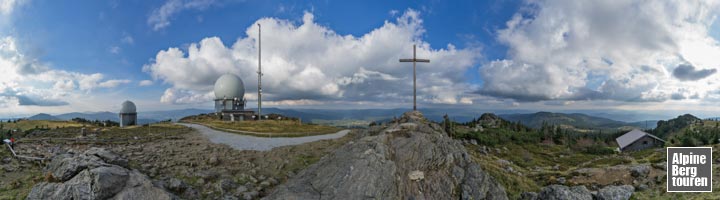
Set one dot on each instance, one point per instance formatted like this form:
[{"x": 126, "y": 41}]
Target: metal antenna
[
  {"x": 414, "y": 60},
  {"x": 260, "y": 74}
]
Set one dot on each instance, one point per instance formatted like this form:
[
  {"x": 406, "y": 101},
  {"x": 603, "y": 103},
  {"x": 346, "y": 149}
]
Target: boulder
[
  {"x": 6, "y": 160},
  {"x": 176, "y": 185},
  {"x": 615, "y": 192},
  {"x": 416, "y": 175},
  {"x": 90, "y": 176},
  {"x": 640, "y": 171},
  {"x": 241, "y": 189},
  {"x": 558, "y": 192},
  {"x": 65, "y": 166},
  {"x": 107, "y": 156},
  {"x": 225, "y": 185},
  {"x": 661, "y": 165},
  {"x": 529, "y": 196},
  {"x": 396, "y": 161},
  {"x": 250, "y": 195},
  {"x": 213, "y": 160}
]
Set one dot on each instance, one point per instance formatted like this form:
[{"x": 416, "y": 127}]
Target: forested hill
[
  {"x": 666, "y": 127},
  {"x": 576, "y": 120}
]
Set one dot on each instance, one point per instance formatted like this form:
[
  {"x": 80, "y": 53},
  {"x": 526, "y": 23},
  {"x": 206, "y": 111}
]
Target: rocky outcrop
[
  {"x": 640, "y": 176},
  {"x": 490, "y": 120},
  {"x": 615, "y": 192},
  {"x": 409, "y": 159},
  {"x": 640, "y": 171},
  {"x": 561, "y": 192},
  {"x": 95, "y": 174}
]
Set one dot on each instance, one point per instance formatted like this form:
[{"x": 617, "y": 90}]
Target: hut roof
[{"x": 632, "y": 136}]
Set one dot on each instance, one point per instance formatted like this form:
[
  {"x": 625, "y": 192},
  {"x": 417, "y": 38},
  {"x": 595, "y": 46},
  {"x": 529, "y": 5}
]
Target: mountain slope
[
  {"x": 102, "y": 116},
  {"x": 577, "y": 120},
  {"x": 673, "y": 126},
  {"x": 43, "y": 116},
  {"x": 172, "y": 114}
]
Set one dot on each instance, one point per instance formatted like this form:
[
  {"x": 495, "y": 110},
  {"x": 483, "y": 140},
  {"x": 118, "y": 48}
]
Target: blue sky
[{"x": 541, "y": 55}]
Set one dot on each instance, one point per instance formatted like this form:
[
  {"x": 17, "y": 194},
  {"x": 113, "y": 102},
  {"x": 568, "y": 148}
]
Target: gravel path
[{"x": 245, "y": 142}]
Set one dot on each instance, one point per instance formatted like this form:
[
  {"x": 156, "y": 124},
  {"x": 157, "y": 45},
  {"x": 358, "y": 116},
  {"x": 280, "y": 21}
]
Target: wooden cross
[{"x": 414, "y": 60}]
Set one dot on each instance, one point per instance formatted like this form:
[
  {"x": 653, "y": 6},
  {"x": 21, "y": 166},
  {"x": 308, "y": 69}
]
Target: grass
[
  {"x": 514, "y": 184},
  {"x": 20, "y": 187},
  {"x": 31, "y": 124},
  {"x": 611, "y": 161},
  {"x": 110, "y": 134},
  {"x": 649, "y": 156},
  {"x": 526, "y": 157},
  {"x": 17, "y": 184},
  {"x": 267, "y": 128},
  {"x": 343, "y": 122}
]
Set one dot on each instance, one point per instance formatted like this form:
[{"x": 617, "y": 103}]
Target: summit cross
[{"x": 414, "y": 60}]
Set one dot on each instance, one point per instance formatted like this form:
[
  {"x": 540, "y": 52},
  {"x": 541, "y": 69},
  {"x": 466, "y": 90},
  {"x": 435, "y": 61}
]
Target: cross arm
[{"x": 415, "y": 60}]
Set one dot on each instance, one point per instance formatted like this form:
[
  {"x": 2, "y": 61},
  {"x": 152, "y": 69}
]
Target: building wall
[
  {"x": 128, "y": 119},
  {"x": 229, "y": 104},
  {"x": 643, "y": 143},
  {"x": 237, "y": 116}
]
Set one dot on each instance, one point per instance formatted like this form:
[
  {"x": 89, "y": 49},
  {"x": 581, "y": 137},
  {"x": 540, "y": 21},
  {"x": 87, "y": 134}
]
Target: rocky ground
[
  {"x": 410, "y": 158},
  {"x": 95, "y": 174},
  {"x": 552, "y": 172},
  {"x": 175, "y": 158}
]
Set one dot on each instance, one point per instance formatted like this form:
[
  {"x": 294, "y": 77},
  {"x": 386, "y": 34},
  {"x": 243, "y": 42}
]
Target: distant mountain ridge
[
  {"x": 307, "y": 115},
  {"x": 378, "y": 115},
  {"x": 143, "y": 117},
  {"x": 577, "y": 120},
  {"x": 44, "y": 116}
]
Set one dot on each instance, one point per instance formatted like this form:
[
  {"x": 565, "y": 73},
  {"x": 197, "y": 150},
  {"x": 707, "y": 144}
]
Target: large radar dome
[
  {"x": 229, "y": 86},
  {"x": 128, "y": 107}
]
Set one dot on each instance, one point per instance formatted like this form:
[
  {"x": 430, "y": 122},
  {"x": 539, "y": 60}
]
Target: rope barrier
[{"x": 23, "y": 157}]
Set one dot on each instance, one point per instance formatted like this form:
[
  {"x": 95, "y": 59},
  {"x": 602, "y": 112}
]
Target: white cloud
[
  {"x": 114, "y": 49},
  {"x": 311, "y": 62},
  {"x": 393, "y": 12},
  {"x": 180, "y": 96},
  {"x": 64, "y": 85},
  {"x": 127, "y": 39},
  {"x": 7, "y": 6},
  {"x": 28, "y": 82},
  {"x": 145, "y": 83},
  {"x": 617, "y": 50},
  {"x": 89, "y": 82},
  {"x": 112, "y": 83},
  {"x": 160, "y": 18}
]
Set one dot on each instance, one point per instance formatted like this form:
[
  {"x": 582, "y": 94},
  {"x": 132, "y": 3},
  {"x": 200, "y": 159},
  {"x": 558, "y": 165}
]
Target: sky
[{"x": 553, "y": 55}]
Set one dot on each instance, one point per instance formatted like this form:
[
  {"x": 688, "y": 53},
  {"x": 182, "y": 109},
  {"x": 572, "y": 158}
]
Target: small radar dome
[{"x": 128, "y": 107}]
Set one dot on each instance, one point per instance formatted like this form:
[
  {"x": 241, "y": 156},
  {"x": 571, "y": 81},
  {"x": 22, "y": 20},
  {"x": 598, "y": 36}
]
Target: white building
[
  {"x": 230, "y": 98},
  {"x": 128, "y": 114}
]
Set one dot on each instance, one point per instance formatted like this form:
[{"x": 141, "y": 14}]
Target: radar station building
[
  {"x": 128, "y": 114},
  {"x": 230, "y": 99}
]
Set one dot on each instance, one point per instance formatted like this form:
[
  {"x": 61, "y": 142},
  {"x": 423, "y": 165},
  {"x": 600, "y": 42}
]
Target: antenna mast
[{"x": 259, "y": 77}]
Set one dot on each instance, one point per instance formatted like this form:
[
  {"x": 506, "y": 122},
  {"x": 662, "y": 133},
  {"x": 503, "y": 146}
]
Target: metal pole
[
  {"x": 414, "y": 81},
  {"x": 259, "y": 76}
]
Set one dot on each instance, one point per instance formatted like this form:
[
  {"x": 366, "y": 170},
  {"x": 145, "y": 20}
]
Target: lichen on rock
[{"x": 411, "y": 158}]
